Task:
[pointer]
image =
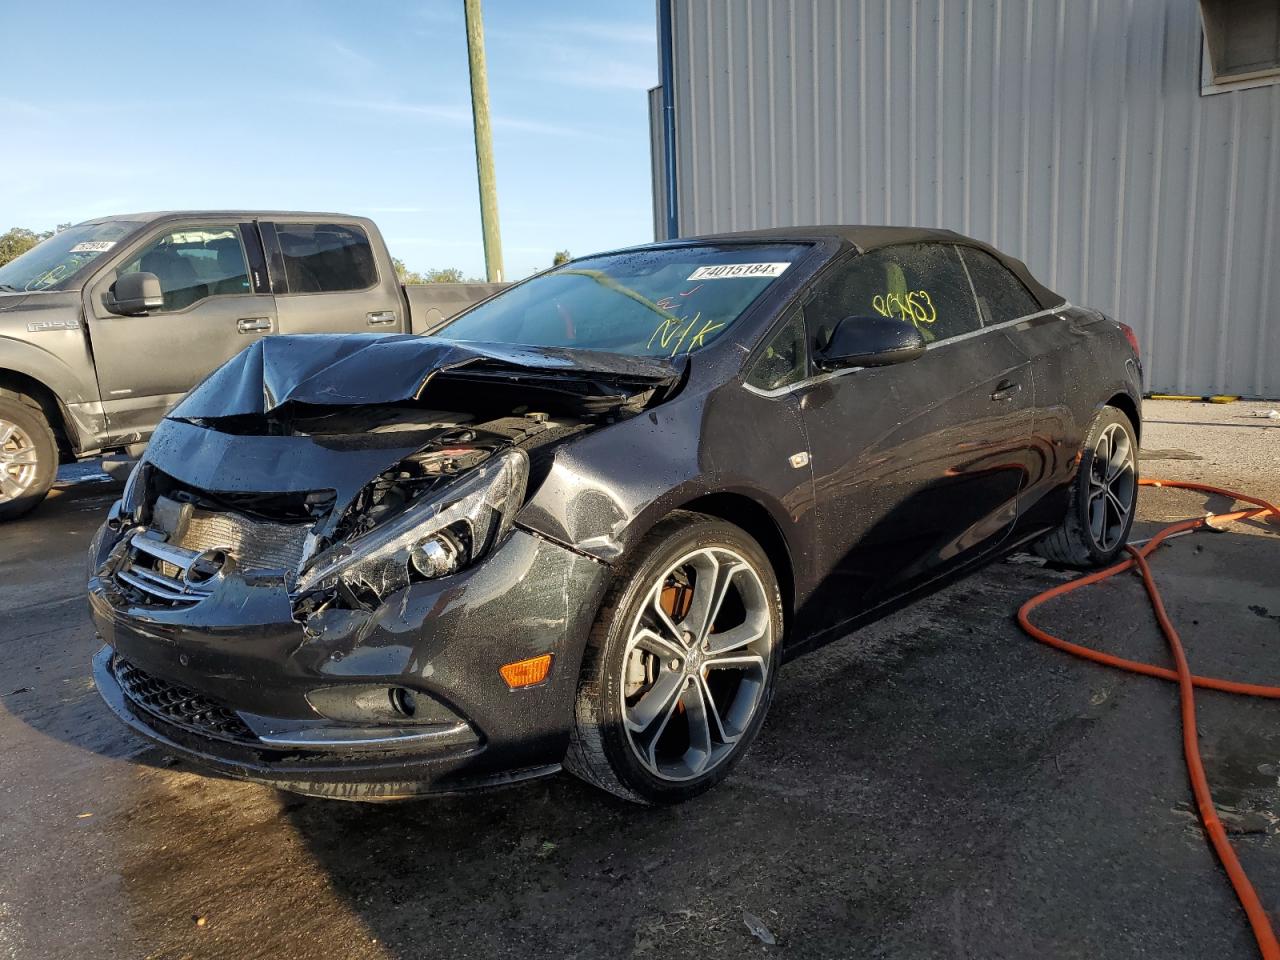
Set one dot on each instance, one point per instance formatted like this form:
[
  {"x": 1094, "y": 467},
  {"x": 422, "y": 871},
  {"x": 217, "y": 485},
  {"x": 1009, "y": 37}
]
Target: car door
[
  {"x": 1052, "y": 343},
  {"x": 216, "y": 302},
  {"x": 327, "y": 279},
  {"x": 917, "y": 465}
]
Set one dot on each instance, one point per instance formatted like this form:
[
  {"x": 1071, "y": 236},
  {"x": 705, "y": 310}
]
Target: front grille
[
  {"x": 255, "y": 544},
  {"x": 180, "y": 705},
  {"x": 160, "y": 567}
]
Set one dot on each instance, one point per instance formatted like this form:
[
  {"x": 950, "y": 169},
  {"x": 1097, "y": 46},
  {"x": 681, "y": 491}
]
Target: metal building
[{"x": 1127, "y": 150}]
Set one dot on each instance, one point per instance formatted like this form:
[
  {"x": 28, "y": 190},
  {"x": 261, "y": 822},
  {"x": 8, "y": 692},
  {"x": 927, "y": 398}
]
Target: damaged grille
[
  {"x": 254, "y": 544},
  {"x": 179, "y": 705},
  {"x": 183, "y": 568}
]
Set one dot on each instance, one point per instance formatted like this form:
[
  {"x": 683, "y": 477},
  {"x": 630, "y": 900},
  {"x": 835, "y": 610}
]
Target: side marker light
[{"x": 525, "y": 673}]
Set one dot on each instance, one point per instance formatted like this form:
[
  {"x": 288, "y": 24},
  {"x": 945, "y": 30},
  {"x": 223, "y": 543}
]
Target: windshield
[
  {"x": 48, "y": 264},
  {"x": 645, "y": 303}
]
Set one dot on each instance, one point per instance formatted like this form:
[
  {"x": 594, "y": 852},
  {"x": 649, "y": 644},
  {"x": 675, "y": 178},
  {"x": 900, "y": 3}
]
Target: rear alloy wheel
[
  {"x": 680, "y": 670},
  {"x": 1104, "y": 496},
  {"x": 28, "y": 455}
]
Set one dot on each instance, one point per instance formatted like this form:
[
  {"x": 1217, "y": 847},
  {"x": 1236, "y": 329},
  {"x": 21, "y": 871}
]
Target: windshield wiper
[{"x": 8, "y": 288}]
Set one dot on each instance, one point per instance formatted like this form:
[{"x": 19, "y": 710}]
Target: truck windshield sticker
[
  {"x": 93, "y": 246},
  {"x": 736, "y": 271}
]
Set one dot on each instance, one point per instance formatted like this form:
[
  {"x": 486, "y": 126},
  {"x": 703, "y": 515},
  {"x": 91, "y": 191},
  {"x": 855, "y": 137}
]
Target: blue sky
[{"x": 355, "y": 107}]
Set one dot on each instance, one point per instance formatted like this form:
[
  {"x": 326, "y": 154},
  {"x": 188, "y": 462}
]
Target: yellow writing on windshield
[{"x": 677, "y": 330}]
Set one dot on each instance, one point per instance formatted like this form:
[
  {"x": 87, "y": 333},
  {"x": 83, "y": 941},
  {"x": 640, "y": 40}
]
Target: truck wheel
[
  {"x": 679, "y": 670},
  {"x": 28, "y": 455},
  {"x": 1104, "y": 496}
]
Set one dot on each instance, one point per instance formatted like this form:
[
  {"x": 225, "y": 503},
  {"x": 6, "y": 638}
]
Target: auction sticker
[
  {"x": 93, "y": 246},
  {"x": 733, "y": 271}
]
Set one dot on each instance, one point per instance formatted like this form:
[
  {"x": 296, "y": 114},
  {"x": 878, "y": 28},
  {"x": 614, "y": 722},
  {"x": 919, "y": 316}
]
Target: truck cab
[{"x": 107, "y": 324}]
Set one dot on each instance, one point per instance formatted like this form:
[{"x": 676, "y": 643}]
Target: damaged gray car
[{"x": 585, "y": 522}]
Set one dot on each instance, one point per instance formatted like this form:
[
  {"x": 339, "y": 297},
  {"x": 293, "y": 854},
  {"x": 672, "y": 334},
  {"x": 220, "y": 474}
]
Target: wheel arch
[
  {"x": 1129, "y": 407},
  {"x": 754, "y": 518},
  {"x": 50, "y": 405}
]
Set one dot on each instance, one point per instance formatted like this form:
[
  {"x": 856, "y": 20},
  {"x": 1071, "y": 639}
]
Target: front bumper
[{"x": 225, "y": 682}]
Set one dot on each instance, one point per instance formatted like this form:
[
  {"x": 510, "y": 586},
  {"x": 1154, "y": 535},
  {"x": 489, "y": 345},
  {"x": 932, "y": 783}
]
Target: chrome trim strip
[
  {"x": 831, "y": 375},
  {"x": 148, "y": 585},
  {"x": 364, "y": 739},
  {"x": 178, "y": 556}
]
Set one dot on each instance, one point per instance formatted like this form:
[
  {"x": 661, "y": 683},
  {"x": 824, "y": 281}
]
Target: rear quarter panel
[{"x": 1081, "y": 361}]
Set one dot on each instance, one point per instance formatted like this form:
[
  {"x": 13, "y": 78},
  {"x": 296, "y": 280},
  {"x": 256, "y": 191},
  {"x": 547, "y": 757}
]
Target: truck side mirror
[{"x": 134, "y": 294}]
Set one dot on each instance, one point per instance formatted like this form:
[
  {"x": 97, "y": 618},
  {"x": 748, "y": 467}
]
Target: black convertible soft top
[{"x": 873, "y": 237}]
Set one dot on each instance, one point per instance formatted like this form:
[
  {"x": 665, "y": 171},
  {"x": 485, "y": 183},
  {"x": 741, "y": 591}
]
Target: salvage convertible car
[{"x": 586, "y": 522}]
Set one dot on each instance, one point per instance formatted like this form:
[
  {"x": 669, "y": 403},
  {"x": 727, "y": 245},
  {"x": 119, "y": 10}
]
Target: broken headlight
[{"x": 436, "y": 536}]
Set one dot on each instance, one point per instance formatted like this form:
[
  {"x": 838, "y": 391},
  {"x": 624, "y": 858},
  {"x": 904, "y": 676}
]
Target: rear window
[
  {"x": 1001, "y": 295},
  {"x": 651, "y": 303},
  {"x": 326, "y": 257}
]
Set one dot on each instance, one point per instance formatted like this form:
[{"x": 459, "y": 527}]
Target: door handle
[
  {"x": 1005, "y": 390},
  {"x": 381, "y": 317},
  {"x": 253, "y": 324}
]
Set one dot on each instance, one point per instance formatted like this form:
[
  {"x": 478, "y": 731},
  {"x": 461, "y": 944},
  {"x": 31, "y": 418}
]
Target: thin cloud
[
  {"x": 461, "y": 116},
  {"x": 25, "y": 109},
  {"x": 612, "y": 31}
]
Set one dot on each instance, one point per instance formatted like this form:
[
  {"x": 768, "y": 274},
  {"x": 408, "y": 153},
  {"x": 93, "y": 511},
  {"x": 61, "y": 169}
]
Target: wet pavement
[{"x": 936, "y": 785}]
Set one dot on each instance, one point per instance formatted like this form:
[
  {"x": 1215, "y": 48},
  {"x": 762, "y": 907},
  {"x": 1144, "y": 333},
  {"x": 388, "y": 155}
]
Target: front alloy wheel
[
  {"x": 696, "y": 663},
  {"x": 679, "y": 670}
]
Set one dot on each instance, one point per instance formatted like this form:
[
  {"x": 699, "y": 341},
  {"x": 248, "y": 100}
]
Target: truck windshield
[
  {"x": 48, "y": 264},
  {"x": 651, "y": 303}
]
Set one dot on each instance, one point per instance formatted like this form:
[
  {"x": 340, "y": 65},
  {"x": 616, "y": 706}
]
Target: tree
[
  {"x": 433, "y": 275},
  {"x": 562, "y": 256},
  {"x": 404, "y": 273},
  {"x": 446, "y": 275},
  {"x": 17, "y": 241}
]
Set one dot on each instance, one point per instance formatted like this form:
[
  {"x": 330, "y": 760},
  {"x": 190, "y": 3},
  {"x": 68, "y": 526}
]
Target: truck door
[
  {"x": 326, "y": 279},
  {"x": 216, "y": 302}
]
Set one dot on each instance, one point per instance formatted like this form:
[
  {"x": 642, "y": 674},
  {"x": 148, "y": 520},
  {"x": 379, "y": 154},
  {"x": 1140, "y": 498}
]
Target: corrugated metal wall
[{"x": 1070, "y": 133}]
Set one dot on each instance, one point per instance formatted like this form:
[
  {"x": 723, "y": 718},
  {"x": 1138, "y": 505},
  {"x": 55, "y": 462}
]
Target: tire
[
  {"x": 623, "y": 683},
  {"x": 1078, "y": 542},
  {"x": 28, "y": 455}
]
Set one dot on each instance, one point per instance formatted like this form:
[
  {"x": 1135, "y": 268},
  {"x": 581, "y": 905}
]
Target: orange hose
[{"x": 1263, "y": 932}]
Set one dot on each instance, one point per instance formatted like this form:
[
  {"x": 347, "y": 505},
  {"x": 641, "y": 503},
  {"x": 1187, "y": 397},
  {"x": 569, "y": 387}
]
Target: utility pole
[{"x": 484, "y": 142}]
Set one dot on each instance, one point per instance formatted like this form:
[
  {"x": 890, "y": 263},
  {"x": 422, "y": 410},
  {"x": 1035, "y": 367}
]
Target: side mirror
[
  {"x": 870, "y": 342},
  {"x": 135, "y": 294}
]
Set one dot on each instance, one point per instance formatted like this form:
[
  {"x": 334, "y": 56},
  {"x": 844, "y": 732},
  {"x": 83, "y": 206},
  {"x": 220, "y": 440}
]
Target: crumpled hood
[{"x": 359, "y": 368}]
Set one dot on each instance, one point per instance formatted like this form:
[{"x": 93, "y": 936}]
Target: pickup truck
[{"x": 107, "y": 324}]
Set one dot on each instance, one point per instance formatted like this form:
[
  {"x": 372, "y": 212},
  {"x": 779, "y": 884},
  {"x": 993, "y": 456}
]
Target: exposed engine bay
[{"x": 343, "y": 501}]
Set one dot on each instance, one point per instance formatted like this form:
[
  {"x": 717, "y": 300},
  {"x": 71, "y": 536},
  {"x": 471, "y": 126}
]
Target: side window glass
[
  {"x": 326, "y": 257},
  {"x": 1001, "y": 295},
  {"x": 922, "y": 284},
  {"x": 785, "y": 360},
  {"x": 194, "y": 263}
]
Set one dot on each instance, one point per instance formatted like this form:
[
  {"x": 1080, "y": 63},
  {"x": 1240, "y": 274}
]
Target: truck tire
[
  {"x": 1104, "y": 497},
  {"x": 28, "y": 455},
  {"x": 679, "y": 670}
]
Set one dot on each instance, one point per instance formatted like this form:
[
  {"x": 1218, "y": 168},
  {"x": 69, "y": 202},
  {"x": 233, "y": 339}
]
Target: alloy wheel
[
  {"x": 696, "y": 663},
  {"x": 19, "y": 461},
  {"x": 1112, "y": 486}
]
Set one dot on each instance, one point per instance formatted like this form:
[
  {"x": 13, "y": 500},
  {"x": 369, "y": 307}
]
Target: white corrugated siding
[{"x": 1070, "y": 133}]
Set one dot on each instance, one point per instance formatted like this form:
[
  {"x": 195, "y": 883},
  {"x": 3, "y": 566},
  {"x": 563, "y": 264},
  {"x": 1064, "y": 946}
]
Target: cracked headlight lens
[
  {"x": 468, "y": 517},
  {"x": 135, "y": 489}
]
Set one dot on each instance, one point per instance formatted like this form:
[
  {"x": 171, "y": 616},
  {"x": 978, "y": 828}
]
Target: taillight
[{"x": 1131, "y": 337}]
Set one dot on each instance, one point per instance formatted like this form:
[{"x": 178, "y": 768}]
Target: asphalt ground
[{"x": 936, "y": 785}]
